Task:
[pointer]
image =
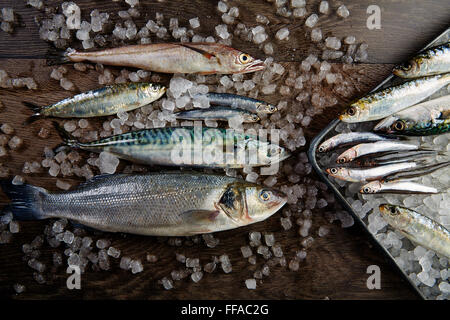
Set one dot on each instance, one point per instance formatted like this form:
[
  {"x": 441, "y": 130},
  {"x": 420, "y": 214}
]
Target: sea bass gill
[
  {"x": 202, "y": 57},
  {"x": 158, "y": 204}
]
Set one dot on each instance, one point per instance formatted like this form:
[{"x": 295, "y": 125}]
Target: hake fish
[
  {"x": 418, "y": 228},
  {"x": 202, "y": 57},
  {"x": 101, "y": 102},
  {"x": 383, "y": 103},
  {"x": 185, "y": 146},
  {"x": 241, "y": 102},
  {"x": 396, "y": 186},
  {"x": 426, "y": 118},
  {"x": 157, "y": 204},
  {"x": 431, "y": 61},
  {"x": 219, "y": 113},
  {"x": 343, "y": 139}
]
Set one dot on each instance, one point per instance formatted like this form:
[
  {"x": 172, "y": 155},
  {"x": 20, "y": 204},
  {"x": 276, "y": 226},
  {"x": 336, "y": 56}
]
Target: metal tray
[{"x": 341, "y": 199}]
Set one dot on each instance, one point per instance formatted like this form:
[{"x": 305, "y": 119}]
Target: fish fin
[
  {"x": 36, "y": 116},
  {"x": 69, "y": 140},
  {"x": 24, "y": 200},
  {"x": 201, "y": 51},
  {"x": 200, "y": 216},
  {"x": 55, "y": 57}
]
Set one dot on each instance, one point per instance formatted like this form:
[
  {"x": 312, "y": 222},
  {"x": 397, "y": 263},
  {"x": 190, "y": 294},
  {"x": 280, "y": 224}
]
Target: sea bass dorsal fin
[
  {"x": 201, "y": 51},
  {"x": 200, "y": 216}
]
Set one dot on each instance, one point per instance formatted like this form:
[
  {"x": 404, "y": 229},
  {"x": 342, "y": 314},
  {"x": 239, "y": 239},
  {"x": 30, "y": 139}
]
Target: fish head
[
  {"x": 325, "y": 146},
  {"x": 154, "y": 89},
  {"x": 356, "y": 112},
  {"x": 371, "y": 187},
  {"x": 338, "y": 172},
  {"x": 263, "y": 202},
  {"x": 238, "y": 61},
  {"x": 407, "y": 69},
  {"x": 266, "y": 107},
  {"x": 347, "y": 156},
  {"x": 396, "y": 216},
  {"x": 251, "y": 117},
  {"x": 385, "y": 124},
  {"x": 272, "y": 153}
]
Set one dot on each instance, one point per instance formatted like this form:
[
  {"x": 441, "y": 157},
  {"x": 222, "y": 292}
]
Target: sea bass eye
[
  {"x": 244, "y": 58},
  {"x": 264, "y": 195}
]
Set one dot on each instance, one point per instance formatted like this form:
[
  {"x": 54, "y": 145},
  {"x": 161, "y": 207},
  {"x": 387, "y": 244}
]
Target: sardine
[
  {"x": 426, "y": 118},
  {"x": 186, "y": 146},
  {"x": 203, "y": 57},
  {"x": 396, "y": 186},
  {"x": 429, "y": 62},
  {"x": 101, "y": 102},
  {"x": 344, "y": 139},
  {"x": 383, "y": 103},
  {"x": 218, "y": 113},
  {"x": 364, "y": 149},
  {"x": 241, "y": 102},
  {"x": 358, "y": 175},
  {"x": 158, "y": 204},
  {"x": 418, "y": 228}
]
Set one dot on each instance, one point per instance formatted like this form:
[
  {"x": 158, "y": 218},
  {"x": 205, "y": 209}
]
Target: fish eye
[
  {"x": 273, "y": 151},
  {"x": 351, "y": 111},
  {"x": 244, "y": 58},
  {"x": 392, "y": 210},
  {"x": 366, "y": 190},
  {"x": 264, "y": 195},
  {"x": 271, "y": 108},
  {"x": 406, "y": 66},
  {"x": 255, "y": 117},
  {"x": 321, "y": 149},
  {"x": 342, "y": 160},
  {"x": 399, "y": 125},
  {"x": 334, "y": 170}
]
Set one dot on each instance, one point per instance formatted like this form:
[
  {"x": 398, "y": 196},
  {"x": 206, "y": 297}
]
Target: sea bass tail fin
[
  {"x": 37, "y": 112},
  {"x": 69, "y": 140},
  {"x": 25, "y": 200}
]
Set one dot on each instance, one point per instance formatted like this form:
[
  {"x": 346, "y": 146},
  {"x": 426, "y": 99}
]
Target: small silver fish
[
  {"x": 396, "y": 186},
  {"x": 158, "y": 204},
  {"x": 343, "y": 139},
  {"x": 383, "y": 103},
  {"x": 364, "y": 149},
  {"x": 358, "y": 175},
  {"x": 418, "y": 228},
  {"x": 429, "y": 62},
  {"x": 242, "y": 102},
  {"x": 101, "y": 102},
  {"x": 220, "y": 113}
]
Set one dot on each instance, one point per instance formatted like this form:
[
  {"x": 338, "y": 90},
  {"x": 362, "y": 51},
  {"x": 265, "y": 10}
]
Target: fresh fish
[
  {"x": 101, "y": 102},
  {"x": 426, "y": 118},
  {"x": 203, "y": 57},
  {"x": 418, "y": 228},
  {"x": 364, "y": 149},
  {"x": 396, "y": 186},
  {"x": 429, "y": 62},
  {"x": 343, "y": 139},
  {"x": 357, "y": 175},
  {"x": 241, "y": 102},
  {"x": 393, "y": 157},
  {"x": 158, "y": 204},
  {"x": 186, "y": 146},
  {"x": 218, "y": 113},
  {"x": 383, "y": 103}
]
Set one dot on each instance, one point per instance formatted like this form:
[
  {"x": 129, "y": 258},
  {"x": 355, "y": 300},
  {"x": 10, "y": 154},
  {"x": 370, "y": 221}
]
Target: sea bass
[
  {"x": 101, "y": 102},
  {"x": 202, "y": 57},
  {"x": 186, "y": 146},
  {"x": 429, "y": 62},
  {"x": 218, "y": 113},
  {"x": 418, "y": 228},
  {"x": 426, "y": 118},
  {"x": 158, "y": 204},
  {"x": 383, "y": 103}
]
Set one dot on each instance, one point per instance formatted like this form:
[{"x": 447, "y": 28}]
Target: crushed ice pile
[
  {"x": 427, "y": 270},
  {"x": 300, "y": 91}
]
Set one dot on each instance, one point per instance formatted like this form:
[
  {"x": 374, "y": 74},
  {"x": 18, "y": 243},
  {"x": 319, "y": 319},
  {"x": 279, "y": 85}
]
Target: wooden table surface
[{"x": 336, "y": 264}]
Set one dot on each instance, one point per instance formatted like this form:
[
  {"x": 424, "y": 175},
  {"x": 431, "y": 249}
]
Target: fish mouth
[{"x": 256, "y": 65}]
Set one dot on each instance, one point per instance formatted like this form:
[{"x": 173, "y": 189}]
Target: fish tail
[
  {"x": 55, "y": 57},
  {"x": 36, "y": 116},
  {"x": 25, "y": 200},
  {"x": 69, "y": 140}
]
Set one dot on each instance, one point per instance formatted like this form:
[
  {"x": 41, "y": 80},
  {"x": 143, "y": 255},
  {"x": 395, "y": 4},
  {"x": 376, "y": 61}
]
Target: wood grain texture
[{"x": 336, "y": 264}]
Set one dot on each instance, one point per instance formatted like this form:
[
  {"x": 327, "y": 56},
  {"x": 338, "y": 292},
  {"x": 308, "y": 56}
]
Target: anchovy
[
  {"x": 242, "y": 102},
  {"x": 426, "y": 118},
  {"x": 101, "y": 102},
  {"x": 420, "y": 171},
  {"x": 393, "y": 157},
  {"x": 429, "y": 62},
  {"x": 374, "y": 147},
  {"x": 202, "y": 57},
  {"x": 357, "y": 175},
  {"x": 383, "y": 103},
  {"x": 418, "y": 228},
  {"x": 218, "y": 113},
  {"x": 343, "y": 139},
  {"x": 396, "y": 186},
  {"x": 186, "y": 146},
  {"x": 158, "y": 204}
]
